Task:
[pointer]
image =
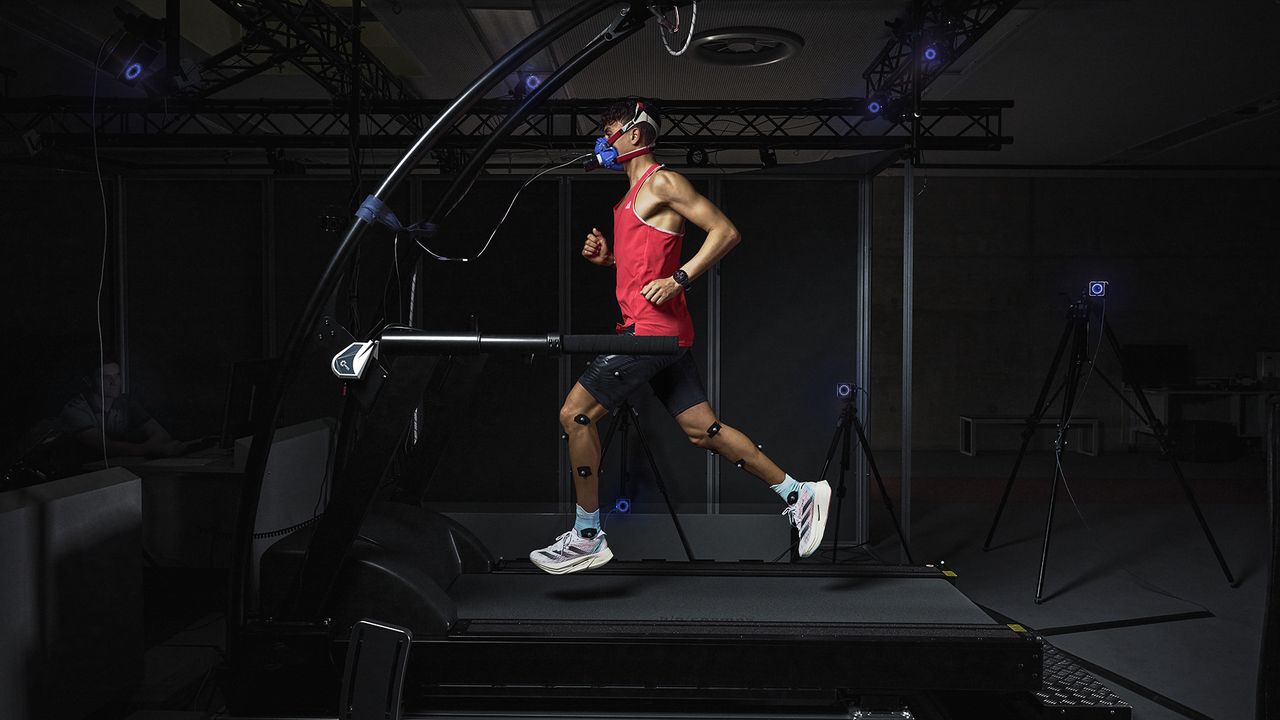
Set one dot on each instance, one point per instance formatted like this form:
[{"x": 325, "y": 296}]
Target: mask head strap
[{"x": 640, "y": 116}]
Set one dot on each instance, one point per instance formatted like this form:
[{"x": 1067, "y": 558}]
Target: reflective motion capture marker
[
  {"x": 582, "y": 419},
  {"x": 713, "y": 430},
  {"x": 584, "y": 471}
]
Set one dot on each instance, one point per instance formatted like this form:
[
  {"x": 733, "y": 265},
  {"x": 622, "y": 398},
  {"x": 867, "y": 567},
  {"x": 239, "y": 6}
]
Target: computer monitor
[{"x": 1158, "y": 365}]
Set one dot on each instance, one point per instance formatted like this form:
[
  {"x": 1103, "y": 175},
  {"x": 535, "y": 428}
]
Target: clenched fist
[{"x": 596, "y": 249}]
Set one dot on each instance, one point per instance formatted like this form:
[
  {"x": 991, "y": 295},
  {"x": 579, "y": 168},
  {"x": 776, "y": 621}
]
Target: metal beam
[
  {"x": 950, "y": 27},
  {"x": 313, "y": 37},
  {"x": 208, "y": 123}
]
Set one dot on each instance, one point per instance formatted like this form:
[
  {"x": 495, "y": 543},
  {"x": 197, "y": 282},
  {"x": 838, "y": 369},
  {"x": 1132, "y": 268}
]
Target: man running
[{"x": 648, "y": 229}]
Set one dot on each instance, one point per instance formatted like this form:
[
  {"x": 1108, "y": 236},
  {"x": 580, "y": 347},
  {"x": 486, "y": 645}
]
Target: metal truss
[
  {"x": 207, "y": 123},
  {"x": 307, "y": 33},
  {"x": 950, "y": 27}
]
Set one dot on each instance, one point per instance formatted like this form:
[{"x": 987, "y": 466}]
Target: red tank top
[{"x": 643, "y": 253}]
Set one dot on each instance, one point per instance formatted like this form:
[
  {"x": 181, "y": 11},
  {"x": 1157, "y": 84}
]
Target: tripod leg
[
  {"x": 662, "y": 486},
  {"x": 1079, "y": 355},
  {"x": 1162, "y": 437},
  {"x": 844, "y": 469},
  {"x": 618, "y": 417},
  {"x": 1048, "y": 532},
  {"x": 1032, "y": 420},
  {"x": 884, "y": 494}
]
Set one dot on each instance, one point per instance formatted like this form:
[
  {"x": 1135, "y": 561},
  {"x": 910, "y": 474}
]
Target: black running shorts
[{"x": 675, "y": 379}]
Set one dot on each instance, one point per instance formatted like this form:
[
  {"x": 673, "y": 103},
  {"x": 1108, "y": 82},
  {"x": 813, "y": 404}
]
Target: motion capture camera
[
  {"x": 844, "y": 390},
  {"x": 1096, "y": 288}
]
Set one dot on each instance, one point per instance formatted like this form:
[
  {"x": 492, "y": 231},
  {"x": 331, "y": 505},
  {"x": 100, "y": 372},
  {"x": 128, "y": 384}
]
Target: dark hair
[{"x": 623, "y": 110}]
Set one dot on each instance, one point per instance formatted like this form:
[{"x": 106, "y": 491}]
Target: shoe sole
[
  {"x": 586, "y": 562},
  {"x": 822, "y": 499}
]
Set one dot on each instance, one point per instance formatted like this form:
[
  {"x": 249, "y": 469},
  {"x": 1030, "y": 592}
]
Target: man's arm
[{"x": 676, "y": 192}]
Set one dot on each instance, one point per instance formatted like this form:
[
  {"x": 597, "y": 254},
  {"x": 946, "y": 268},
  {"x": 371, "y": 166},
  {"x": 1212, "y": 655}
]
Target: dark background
[{"x": 211, "y": 277}]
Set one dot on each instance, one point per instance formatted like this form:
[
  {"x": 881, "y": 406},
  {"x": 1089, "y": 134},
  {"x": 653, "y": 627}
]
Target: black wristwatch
[{"x": 682, "y": 279}]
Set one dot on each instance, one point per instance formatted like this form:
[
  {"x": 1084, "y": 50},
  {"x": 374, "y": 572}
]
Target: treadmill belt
[{"x": 729, "y": 599}]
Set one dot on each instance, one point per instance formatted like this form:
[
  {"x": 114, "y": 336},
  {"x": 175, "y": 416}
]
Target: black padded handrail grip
[
  {"x": 621, "y": 344},
  {"x": 420, "y": 342}
]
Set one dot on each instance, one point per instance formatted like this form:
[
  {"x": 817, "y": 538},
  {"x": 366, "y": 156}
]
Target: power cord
[{"x": 102, "y": 269}]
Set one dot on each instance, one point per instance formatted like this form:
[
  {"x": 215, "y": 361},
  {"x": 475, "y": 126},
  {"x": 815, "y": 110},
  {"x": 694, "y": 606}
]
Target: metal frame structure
[
  {"x": 313, "y": 37},
  {"x": 559, "y": 124},
  {"x": 950, "y": 27}
]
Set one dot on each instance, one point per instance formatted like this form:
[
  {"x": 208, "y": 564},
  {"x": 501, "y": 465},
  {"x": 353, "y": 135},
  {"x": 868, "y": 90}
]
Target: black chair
[{"x": 374, "y": 677}]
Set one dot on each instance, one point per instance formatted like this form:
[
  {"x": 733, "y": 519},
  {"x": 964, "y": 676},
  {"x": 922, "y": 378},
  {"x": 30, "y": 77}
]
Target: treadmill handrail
[{"x": 423, "y": 342}]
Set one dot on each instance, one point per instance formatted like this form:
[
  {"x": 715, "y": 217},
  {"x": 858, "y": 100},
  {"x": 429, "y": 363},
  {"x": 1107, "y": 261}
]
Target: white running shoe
[
  {"x": 572, "y": 552},
  {"x": 807, "y": 511}
]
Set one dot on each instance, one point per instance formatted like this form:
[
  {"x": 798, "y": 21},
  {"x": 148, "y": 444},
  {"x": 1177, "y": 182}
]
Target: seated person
[{"x": 130, "y": 430}]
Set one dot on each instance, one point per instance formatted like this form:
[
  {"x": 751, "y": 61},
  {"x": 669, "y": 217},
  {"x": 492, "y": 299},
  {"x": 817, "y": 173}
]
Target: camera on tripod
[{"x": 1096, "y": 288}]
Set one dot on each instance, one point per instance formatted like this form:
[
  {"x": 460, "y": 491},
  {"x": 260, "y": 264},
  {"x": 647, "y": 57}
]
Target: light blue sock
[
  {"x": 586, "y": 520},
  {"x": 786, "y": 487}
]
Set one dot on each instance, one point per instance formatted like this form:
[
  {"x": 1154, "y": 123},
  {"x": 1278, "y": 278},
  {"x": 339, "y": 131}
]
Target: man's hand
[
  {"x": 660, "y": 291},
  {"x": 596, "y": 249}
]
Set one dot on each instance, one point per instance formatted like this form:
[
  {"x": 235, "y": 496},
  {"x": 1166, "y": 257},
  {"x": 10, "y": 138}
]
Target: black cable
[{"x": 102, "y": 270}]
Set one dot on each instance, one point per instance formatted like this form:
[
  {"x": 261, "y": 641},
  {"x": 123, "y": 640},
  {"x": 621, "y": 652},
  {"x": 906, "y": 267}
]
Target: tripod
[
  {"x": 1077, "y": 332},
  {"x": 848, "y": 423},
  {"x": 624, "y": 418}
]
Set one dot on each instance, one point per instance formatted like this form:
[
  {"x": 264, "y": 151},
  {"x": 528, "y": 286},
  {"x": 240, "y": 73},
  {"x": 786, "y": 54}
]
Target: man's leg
[
  {"x": 578, "y": 417},
  {"x": 807, "y": 503},
  {"x": 698, "y": 423},
  {"x": 584, "y": 547}
]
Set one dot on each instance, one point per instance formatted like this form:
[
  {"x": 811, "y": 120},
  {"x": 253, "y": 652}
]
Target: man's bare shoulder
[{"x": 669, "y": 184}]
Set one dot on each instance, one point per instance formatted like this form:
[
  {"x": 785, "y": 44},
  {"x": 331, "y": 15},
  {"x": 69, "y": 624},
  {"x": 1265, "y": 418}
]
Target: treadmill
[
  {"x": 492, "y": 636},
  {"x": 488, "y": 633}
]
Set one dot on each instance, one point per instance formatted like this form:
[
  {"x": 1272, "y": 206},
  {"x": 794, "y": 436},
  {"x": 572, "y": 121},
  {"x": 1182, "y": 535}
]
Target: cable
[
  {"x": 693, "y": 21},
  {"x": 512, "y": 204},
  {"x": 1145, "y": 584},
  {"x": 102, "y": 269}
]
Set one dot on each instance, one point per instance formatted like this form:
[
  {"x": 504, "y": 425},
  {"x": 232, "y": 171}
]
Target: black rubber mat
[{"x": 652, "y": 598}]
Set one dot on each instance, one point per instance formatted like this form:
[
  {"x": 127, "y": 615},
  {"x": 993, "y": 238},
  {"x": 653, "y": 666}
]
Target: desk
[
  {"x": 1244, "y": 409},
  {"x": 189, "y": 506},
  {"x": 1087, "y": 427}
]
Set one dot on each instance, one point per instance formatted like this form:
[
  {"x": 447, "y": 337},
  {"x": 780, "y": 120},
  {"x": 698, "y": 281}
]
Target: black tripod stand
[
  {"x": 624, "y": 418},
  {"x": 1077, "y": 332},
  {"x": 848, "y": 423}
]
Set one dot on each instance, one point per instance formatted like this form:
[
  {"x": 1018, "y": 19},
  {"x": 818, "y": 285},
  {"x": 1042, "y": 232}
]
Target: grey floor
[
  {"x": 1114, "y": 557},
  {"x": 1130, "y": 549}
]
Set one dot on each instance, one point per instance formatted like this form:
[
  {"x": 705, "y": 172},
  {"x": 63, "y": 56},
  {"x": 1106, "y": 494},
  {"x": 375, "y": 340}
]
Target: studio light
[
  {"x": 844, "y": 390},
  {"x": 532, "y": 82},
  {"x": 874, "y": 107},
  {"x": 931, "y": 53},
  {"x": 623, "y": 506},
  {"x": 1097, "y": 288}
]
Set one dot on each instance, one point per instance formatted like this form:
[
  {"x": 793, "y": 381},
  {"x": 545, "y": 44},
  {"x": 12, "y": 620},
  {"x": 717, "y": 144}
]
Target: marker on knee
[
  {"x": 584, "y": 471},
  {"x": 582, "y": 419}
]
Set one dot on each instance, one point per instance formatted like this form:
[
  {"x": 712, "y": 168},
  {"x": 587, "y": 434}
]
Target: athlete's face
[{"x": 623, "y": 144}]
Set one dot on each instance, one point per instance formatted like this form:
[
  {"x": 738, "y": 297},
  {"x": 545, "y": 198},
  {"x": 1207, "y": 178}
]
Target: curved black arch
[{"x": 634, "y": 16}]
